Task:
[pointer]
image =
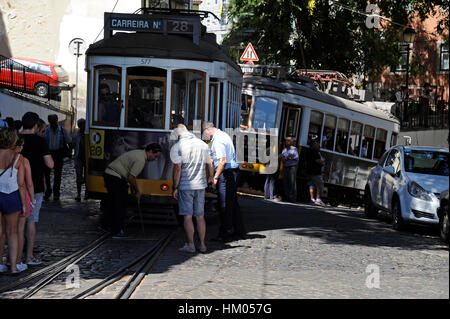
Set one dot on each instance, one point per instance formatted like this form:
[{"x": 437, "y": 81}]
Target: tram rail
[
  {"x": 144, "y": 263},
  {"x": 55, "y": 269}
]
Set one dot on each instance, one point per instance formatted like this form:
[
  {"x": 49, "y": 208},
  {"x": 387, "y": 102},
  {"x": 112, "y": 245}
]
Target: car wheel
[
  {"x": 444, "y": 224},
  {"x": 41, "y": 89},
  {"x": 369, "y": 209},
  {"x": 397, "y": 220}
]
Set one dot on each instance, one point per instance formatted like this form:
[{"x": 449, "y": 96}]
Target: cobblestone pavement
[{"x": 292, "y": 251}]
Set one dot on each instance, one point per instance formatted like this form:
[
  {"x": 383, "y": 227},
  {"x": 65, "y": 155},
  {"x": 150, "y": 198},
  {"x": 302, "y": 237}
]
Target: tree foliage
[{"x": 325, "y": 34}]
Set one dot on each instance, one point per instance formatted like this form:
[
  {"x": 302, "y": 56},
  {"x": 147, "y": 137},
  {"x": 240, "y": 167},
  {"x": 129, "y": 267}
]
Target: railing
[
  {"x": 419, "y": 116},
  {"x": 18, "y": 77}
]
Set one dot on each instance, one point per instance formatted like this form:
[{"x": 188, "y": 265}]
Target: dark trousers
[
  {"x": 58, "y": 159},
  {"x": 231, "y": 221},
  {"x": 290, "y": 184},
  {"x": 116, "y": 203}
]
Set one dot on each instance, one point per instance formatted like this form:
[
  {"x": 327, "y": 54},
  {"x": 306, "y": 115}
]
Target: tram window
[
  {"x": 380, "y": 144},
  {"x": 187, "y": 97},
  {"x": 107, "y": 100},
  {"x": 264, "y": 113},
  {"x": 342, "y": 136},
  {"x": 145, "y": 102},
  {"x": 355, "y": 139},
  {"x": 212, "y": 111},
  {"x": 394, "y": 139},
  {"x": 292, "y": 121},
  {"x": 329, "y": 132},
  {"x": 315, "y": 127},
  {"x": 245, "y": 110},
  {"x": 367, "y": 143}
]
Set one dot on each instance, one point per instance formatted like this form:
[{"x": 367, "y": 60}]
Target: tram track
[
  {"x": 135, "y": 271},
  {"x": 55, "y": 269},
  {"x": 143, "y": 265}
]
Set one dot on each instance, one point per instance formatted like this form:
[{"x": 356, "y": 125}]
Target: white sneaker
[
  {"x": 3, "y": 268},
  {"x": 22, "y": 267},
  {"x": 187, "y": 249},
  {"x": 319, "y": 202}
]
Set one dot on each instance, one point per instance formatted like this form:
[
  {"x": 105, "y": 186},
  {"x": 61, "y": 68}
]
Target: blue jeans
[
  {"x": 269, "y": 186},
  {"x": 231, "y": 221}
]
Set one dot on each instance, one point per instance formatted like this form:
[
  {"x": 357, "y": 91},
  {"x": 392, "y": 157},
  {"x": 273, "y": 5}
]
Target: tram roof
[
  {"x": 285, "y": 86},
  {"x": 142, "y": 44}
]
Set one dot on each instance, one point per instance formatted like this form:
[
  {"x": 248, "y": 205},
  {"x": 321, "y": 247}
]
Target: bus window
[
  {"x": 315, "y": 127},
  {"x": 329, "y": 132},
  {"x": 245, "y": 110},
  {"x": 367, "y": 143},
  {"x": 380, "y": 144},
  {"x": 355, "y": 139},
  {"x": 264, "y": 113},
  {"x": 342, "y": 136},
  {"x": 187, "y": 97},
  {"x": 107, "y": 99},
  {"x": 394, "y": 139}
]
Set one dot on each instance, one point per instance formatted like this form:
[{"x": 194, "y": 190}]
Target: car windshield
[
  {"x": 62, "y": 74},
  {"x": 426, "y": 162}
]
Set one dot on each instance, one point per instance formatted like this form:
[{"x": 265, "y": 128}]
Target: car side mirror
[{"x": 389, "y": 170}]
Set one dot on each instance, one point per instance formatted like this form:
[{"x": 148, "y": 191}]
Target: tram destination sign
[{"x": 154, "y": 23}]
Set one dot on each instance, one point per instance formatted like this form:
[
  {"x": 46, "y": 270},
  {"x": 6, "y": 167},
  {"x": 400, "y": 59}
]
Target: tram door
[{"x": 145, "y": 106}]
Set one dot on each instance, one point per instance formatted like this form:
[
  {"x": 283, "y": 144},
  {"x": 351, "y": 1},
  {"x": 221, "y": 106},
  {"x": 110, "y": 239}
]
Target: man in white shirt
[
  {"x": 225, "y": 179},
  {"x": 190, "y": 155}
]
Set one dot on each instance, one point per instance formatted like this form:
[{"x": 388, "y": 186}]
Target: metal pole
[
  {"x": 407, "y": 84},
  {"x": 76, "y": 81}
]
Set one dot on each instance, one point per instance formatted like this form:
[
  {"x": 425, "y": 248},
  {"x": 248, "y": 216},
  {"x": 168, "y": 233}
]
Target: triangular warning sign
[{"x": 249, "y": 54}]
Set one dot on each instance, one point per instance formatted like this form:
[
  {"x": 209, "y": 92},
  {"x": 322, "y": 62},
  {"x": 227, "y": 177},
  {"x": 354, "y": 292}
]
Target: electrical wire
[{"x": 117, "y": 1}]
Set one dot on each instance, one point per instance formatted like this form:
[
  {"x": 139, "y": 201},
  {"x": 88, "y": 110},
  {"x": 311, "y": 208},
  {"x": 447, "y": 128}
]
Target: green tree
[{"x": 323, "y": 34}]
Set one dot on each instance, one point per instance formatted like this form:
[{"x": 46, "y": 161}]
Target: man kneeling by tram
[{"x": 118, "y": 175}]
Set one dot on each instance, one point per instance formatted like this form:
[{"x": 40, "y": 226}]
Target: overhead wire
[{"x": 117, "y": 1}]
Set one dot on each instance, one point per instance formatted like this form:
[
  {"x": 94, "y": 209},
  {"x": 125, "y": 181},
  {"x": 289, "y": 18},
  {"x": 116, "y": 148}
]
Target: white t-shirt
[{"x": 193, "y": 154}]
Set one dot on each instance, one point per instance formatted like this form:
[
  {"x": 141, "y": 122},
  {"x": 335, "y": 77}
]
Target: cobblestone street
[{"x": 292, "y": 251}]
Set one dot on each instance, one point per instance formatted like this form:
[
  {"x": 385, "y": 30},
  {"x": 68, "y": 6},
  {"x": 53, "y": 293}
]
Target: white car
[{"x": 407, "y": 183}]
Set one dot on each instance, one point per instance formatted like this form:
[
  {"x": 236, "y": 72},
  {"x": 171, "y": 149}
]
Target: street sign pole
[{"x": 76, "y": 46}]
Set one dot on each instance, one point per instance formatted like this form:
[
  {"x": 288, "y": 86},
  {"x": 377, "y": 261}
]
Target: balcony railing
[
  {"x": 418, "y": 116},
  {"x": 18, "y": 77}
]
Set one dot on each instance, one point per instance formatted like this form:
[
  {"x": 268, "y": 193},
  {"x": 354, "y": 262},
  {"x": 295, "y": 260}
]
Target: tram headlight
[
  {"x": 244, "y": 165},
  {"x": 164, "y": 187}
]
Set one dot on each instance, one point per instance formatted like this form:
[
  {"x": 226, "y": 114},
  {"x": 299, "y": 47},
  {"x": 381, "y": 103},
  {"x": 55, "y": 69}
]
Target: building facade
[{"x": 428, "y": 63}]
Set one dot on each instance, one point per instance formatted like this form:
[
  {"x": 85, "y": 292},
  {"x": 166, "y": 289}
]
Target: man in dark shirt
[
  {"x": 79, "y": 145},
  {"x": 315, "y": 180},
  {"x": 36, "y": 151}
]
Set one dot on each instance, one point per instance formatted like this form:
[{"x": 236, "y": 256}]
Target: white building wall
[
  {"x": 219, "y": 28},
  {"x": 43, "y": 29}
]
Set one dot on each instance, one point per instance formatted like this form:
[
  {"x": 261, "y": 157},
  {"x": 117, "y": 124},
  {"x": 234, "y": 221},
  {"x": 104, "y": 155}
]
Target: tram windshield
[
  {"x": 146, "y": 102},
  {"x": 264, "y": 113},
  {"x": 187, "y": 97},
  {"x": 108, "y": 96}
]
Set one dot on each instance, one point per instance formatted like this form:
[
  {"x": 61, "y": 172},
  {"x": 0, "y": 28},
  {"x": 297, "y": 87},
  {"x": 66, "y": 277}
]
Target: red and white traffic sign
[{"x": 249, "y": 54}]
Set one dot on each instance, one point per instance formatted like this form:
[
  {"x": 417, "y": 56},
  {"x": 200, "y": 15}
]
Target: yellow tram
[{"x": 151, "y": 72}]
